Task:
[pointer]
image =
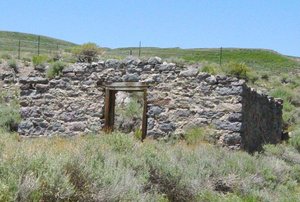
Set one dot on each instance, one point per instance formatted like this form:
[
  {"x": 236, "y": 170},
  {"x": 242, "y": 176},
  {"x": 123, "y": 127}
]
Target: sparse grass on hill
[
  {"x": 257, "y": 59},
  {"x": 9, "y": 44}
]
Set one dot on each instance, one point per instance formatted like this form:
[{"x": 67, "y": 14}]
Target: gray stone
[
  {"x": 234, "y": 90},
  {"x": 154, "y": 60},
  {"x": 131, "y": 60},
  {"x": 56, "y": 127},
  {"x": 41, "y": 88},
  {"x": 154, "y": 133},
  {"x": 132, "y": 69},
  {"x": 9, "y": 80},
  {"x": 197, "y": 122},
  {"x": 202, "y": 76},
  {"x": 41, "y": 124},
  {"x": 69, "y": 69},
  {"x": 182, "y": 113},
  {"x": 165, "y": 67},
  {"x": 150, "y": 123},
  {"x": 24, "y": 127},
  {"x": 7, "y": 74},
  {"x": 154, "y": 111},
  {"x": 210, "y": 114},
  {"x": 235, "y": 117},
  {"x": 131, "y": 78},
  {"x": 147, "y": 67},
  {"x": 211, "y": 80},
  {"x": 26, "y": 111},
  {"x": 80, "y": 68},
  {"x": 225, "y": 125},
  {"x": 77, "y": 126},
  {"x": 41, "y": 68},
  {"x": 112, "y": 63},
  {"x": 33, "y": 80},
  {"x": 189, "y": 73},
  {"x": 167, "y": 127},
  {"x": 232, "y": 139}
]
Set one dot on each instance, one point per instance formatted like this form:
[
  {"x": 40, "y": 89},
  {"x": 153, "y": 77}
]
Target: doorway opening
[{"x": 110, "y": 103}]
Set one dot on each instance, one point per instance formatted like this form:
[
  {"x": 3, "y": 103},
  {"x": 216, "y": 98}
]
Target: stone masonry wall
[
  {"x": 262, "y": 121},
  {"x": 178, "y": 98}
]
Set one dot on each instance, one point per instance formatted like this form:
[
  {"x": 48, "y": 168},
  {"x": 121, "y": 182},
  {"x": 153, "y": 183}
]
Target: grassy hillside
[
  {"x": 258, "y": 59},
  {"x": 32, "y": 37},
  {"x": 255, "y": 58},
  {"x": 9, "y": 43}
]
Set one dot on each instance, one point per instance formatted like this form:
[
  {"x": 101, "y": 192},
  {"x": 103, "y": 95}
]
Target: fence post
[
  {"x": 221, "y": 53},
  {"x": 140, "y": 48},
  {"x": 39, "y": 40},
  {"x": 19, "y": 50}
]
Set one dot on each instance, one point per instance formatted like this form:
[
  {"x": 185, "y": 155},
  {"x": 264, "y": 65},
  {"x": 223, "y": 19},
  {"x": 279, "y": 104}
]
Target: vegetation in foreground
[{"x": 117, "y": 167}]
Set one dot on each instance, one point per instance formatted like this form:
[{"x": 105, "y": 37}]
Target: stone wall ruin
[{"x": 178, "y": 98}]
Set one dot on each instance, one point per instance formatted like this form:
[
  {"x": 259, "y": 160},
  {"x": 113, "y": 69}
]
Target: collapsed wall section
[{"x": 178, "y": 98}]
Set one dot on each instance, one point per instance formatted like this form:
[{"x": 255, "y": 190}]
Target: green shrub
[
  {"x": 87, "y": 52},
  {"x": 26, "y": 59},
  {"x": 138, "y": 134},
  {"x": 295, "y": 100},
  {"x": 13, "y": 65},
  {"x": 119, "y": 142},
  {"x": 117, "y": 167},
  {"x": 6, "y": 56},
  {"x": 295, "y": 140},
  {"x": 195, "y": 135},
  {"x": 132, "y": 109},
  {"x": 38, "y": 60},
  {"x": 178, "y": 61},
  {"x": 296, "y": 173},
  {"x": 282, "y": 92},
  {"x": 265, "y": 76},
  {"x": 240, "y": 70},
  {"x": 287, "y": 95},
  {"x": 9, "y": 117},
  {"x": 212, "y": 69},
  {"x": 55, "y": 69},
  {"x": 252, "y": 77},
  {"x": 275, "y": 150}
]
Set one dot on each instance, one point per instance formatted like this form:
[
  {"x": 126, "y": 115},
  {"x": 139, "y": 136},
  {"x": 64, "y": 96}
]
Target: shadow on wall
[{"x": 261, "y": 120}]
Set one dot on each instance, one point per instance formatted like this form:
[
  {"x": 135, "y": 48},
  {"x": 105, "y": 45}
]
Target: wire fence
[{"x": 22, "y": 48}]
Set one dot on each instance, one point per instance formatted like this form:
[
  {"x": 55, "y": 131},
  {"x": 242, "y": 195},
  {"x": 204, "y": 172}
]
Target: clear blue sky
[{"x": 270, "y": 24}]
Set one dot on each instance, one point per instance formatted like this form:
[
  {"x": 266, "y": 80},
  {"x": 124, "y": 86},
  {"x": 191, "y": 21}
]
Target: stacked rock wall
[
  {"x": 178, "y": 98},
  {"x": 261, "y": 120}
]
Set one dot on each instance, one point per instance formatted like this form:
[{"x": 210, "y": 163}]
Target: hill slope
[
  {"x": 11, "y": 41},
  {"x": 259, "y": 59},
  {"x": 256, "y": 58},
  {"x": 32, "y": 37}
]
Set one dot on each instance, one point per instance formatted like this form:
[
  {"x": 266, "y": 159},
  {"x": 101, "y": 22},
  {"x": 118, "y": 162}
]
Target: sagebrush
[{"x": 117, "y": 167}]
